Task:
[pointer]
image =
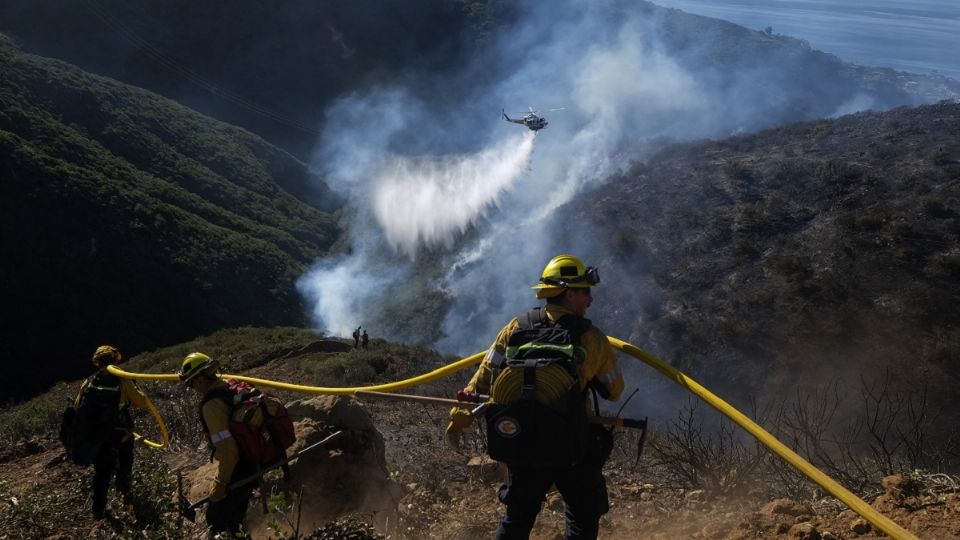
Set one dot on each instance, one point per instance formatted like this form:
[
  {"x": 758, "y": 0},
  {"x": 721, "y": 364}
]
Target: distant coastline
[{"x": 919, "y": 37}]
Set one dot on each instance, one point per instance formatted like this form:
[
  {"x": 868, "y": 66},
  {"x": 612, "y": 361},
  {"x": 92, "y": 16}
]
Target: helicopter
[{"x": 530, "y": 119}]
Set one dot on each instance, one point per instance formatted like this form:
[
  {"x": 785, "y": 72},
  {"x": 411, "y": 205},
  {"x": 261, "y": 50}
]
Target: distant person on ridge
[
  {"x": 366, "y": 340},
  {"x": 537, "y": 373},
  {"x": 356, "y": 337},
  {"x": 227, "y": 508},
  {"x": 104, "y": 428}
]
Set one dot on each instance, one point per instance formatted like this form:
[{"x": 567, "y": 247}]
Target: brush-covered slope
[
  {"x": 269, "y": 67},
  {"x": 274, "y": 68},
  {"x": 129, "y": 219},
  {"x": 800, "y": 255}
]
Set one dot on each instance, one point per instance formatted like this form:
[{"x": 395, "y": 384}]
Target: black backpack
[
  {"x": 544, "y": 421},
  {"x": 96, "y": 420}
]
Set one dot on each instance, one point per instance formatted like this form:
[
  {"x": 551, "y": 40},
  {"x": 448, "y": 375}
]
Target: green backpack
[{"x": 537, "y": 414}]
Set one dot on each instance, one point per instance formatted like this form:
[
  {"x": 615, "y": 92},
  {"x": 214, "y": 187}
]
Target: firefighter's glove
[
  {"x": 218, "y": 491},
  {"x": 460, "y": 419}
]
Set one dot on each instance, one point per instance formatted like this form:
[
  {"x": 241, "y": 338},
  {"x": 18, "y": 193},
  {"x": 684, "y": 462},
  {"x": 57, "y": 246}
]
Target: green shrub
[{"x": 38, "y": 417}]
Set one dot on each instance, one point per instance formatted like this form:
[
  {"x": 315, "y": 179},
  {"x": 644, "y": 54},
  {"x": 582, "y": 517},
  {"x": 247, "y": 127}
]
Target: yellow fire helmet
[
  {"x": 563, "y": 272},
  {"x": 194, "y": 364},
  {"x": 106, "y": 354}
]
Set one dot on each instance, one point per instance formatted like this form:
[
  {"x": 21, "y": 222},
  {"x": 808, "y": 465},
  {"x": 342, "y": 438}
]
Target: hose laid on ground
[{"x": 856, "y": 504}]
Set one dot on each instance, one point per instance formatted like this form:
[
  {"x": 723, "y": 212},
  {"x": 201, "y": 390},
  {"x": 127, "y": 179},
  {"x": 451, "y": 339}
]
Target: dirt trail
[{"x": 437, "y": 495}]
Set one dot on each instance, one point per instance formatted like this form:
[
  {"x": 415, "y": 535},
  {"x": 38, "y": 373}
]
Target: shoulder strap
[
  {"x": 576, "y": 325},
  {"x": 102, "y": 382},
  {"x": 224, "y": 394},
  {"x": 534, "y": 318},
  {"x": 528, "y": 390}
]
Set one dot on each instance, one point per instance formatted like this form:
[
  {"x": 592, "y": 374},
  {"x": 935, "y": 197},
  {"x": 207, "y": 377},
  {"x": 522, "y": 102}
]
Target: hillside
[
  {"x": 276, "y": 68},
  {"x": 271, "y": 68},
  {"x": 797, "y": 257},
  {"x": 439, "y": 495},
  {"x": 130, "y": 219}
]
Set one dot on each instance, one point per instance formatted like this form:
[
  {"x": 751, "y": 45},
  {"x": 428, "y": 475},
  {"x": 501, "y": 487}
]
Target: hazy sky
[{"x": 917, "y": 36}]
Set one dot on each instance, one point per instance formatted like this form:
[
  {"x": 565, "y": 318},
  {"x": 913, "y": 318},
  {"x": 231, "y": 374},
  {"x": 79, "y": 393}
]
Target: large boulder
[{"x": 346, "y": 476}]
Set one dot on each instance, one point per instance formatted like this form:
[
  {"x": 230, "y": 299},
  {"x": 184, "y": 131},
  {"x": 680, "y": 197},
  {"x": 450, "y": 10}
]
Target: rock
[
  {"x": 555, "y": 502},
  {"x": 787, "y": 507},
  {"x": 346, "y": 476},
  {"x": 860, "y": 526},
  {"x": 884, "y": 503},
  {"x": 486, "y": 469},
  {"x": 804, "y": 531},
  {"x": 899, "y": 487}
]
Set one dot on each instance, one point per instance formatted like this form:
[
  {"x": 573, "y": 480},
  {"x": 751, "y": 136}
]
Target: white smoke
[
  {"x": 613, "y": 83},
  {"x": 342, "y": 289},
  {"x": 425, "y": 159}
]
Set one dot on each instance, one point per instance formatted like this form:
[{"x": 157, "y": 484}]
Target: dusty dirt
[
  {"x": 453, "y": 501},
  {"x": 446, "y": 498},
  {"x": 438, "y": 495}
]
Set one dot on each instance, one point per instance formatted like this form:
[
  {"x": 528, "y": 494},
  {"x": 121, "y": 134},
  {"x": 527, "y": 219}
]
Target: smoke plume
[{"x": 434, "y": 173}]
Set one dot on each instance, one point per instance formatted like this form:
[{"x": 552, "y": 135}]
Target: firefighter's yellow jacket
[
  {"x": 216, "y": 418},
  {"x": 599, "y": 363}
]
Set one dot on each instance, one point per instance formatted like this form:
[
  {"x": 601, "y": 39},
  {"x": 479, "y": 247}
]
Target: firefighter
[
  {"x": 227, "y": 508},
  {"x": 565, "y": 284},
  {"x": 356, "y": 337},
  {"x": 103, "y": 418}
]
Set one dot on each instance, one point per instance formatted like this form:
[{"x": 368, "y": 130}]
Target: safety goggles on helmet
[{"x": 591, "y": 277}]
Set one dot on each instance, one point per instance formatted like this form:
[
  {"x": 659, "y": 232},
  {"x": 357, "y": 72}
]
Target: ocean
[{"x": 914, "y": 35}]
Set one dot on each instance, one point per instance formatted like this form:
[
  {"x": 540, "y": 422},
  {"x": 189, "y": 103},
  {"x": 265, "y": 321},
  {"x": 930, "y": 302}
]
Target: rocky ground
[
  {"x": 435, "y": 492},
  {"x": 453, "y": 496}
]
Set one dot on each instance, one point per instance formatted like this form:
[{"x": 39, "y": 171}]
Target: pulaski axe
[{"x": 189, "y": 510}]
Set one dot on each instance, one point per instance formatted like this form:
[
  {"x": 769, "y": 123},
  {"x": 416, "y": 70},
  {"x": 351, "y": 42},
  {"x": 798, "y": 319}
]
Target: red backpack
[{"x": 258, "y": 422}]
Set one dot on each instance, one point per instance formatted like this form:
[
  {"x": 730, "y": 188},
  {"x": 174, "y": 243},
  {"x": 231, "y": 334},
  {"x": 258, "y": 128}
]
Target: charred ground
[{"x": 803, "y": 256}]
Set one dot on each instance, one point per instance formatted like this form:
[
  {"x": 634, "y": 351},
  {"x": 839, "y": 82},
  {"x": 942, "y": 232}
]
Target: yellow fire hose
[
  {"x": 438, "y": 373},
  {"x": 856, "y": 504},
  {"x": 165, "y": 437}
]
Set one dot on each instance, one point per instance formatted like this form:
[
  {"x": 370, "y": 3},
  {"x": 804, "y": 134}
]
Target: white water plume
[{"x": 430, "y": 200}]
